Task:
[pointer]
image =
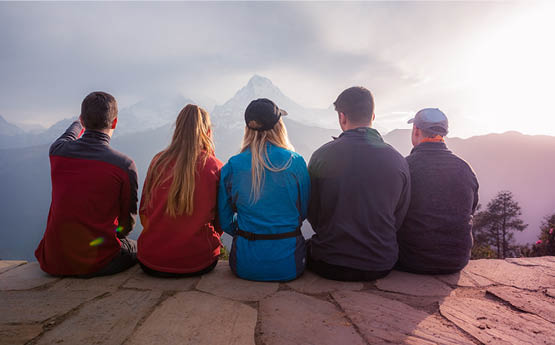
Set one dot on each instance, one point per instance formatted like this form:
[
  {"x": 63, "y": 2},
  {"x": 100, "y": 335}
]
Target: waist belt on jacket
[{"x": 251, "y": 236}]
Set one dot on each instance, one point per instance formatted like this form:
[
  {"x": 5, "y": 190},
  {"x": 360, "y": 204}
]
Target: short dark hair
[
  {"x": 357, "y": 103},
  {"x": 98, "y": 110}
]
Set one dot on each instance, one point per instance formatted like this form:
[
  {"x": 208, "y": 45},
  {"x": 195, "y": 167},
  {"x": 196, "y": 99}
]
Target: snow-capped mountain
[{"x": 230, "y": 114}]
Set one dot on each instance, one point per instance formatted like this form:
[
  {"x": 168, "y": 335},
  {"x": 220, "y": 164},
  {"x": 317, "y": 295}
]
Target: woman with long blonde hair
[
  {"x": 263, "y": 199},
  {"x": 178, "y": 205}
]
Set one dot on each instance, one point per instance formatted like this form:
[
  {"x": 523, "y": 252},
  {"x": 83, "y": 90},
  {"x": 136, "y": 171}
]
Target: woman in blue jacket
[{"x": 263, "y": 199}]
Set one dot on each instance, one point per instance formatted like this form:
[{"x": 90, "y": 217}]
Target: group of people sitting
[{"x": 371, "y": 209}]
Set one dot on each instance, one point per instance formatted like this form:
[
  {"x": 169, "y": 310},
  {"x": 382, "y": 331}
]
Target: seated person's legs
[
  {"x": 126, "y": 258},
  {"x": 161, "y": 274}
]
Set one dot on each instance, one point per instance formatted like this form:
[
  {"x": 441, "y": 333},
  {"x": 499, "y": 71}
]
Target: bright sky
[{"x": 489, "y": 66}]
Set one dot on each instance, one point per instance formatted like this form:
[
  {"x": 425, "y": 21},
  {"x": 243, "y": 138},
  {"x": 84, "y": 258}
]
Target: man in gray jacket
[
  {"x": 436, "y": 236},
  {"x": 360, "y": 192}
]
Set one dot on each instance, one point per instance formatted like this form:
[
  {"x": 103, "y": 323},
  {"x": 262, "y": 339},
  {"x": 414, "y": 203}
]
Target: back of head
[
  {"x": 256, "y": 140},
  {"x": 98, "y": 110},
  {"x": 357, "y": 103},
  {"x": 191, "y": 141}
]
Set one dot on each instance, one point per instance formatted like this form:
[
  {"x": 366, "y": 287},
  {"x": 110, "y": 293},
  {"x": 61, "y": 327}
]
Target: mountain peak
[{"x": 257, "y": 81}]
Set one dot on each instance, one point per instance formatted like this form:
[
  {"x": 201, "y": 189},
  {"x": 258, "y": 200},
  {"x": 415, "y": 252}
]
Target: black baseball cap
[{"x": 262, "y": 114}]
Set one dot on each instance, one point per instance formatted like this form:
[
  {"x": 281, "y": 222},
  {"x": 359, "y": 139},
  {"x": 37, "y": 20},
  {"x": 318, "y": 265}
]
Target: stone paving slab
[
  {"x": 544, "y": 263},
  {"x": 464, "y": 279},
  {"x": 311, "y": 283},
  {"x": 493, "y": 323},
  {"x": 550, "y": 292},
  {"x": 505, "y": 273},
  {"x": 6, "y": 265},
  {"x": 143, "y": 281},
  {"x": 382, "y": 320},
  {"x": 18, "y": 334},
  {"x": 105, "y": 283},
  {"x": 413, "y": 284},
  {"x": 533, "y": 302},
  {"x": 222, "y": 282},
  {"x": 291, "y": 318},
  {"x": 38, "y": 306},
  {"x": 197, "y": 318},
  {"x": 25, "y": 277},
  {"x": 108, "y": 321}
]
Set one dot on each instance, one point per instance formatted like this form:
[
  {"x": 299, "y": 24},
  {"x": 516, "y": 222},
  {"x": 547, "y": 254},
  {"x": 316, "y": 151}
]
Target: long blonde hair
[
  {"x": 191, "y": 140},
  {"x": 256, "y": 141}
]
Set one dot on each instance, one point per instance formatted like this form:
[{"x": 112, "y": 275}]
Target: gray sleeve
[{"x": 72, "y": 133}]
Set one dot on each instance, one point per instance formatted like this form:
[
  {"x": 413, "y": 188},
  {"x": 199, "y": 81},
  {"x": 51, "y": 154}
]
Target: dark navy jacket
[
  {"x": 437, "y": 233},
  {"x": 94, "y": 201},
  {"x": 360, "y": 192}
]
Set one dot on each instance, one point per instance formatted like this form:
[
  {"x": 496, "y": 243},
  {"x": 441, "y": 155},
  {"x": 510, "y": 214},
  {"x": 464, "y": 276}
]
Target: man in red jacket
[{"x": 94, "y": 197}]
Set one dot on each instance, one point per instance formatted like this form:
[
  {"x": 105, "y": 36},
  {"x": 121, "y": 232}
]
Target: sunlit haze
[{"x": 488, "y": 65}]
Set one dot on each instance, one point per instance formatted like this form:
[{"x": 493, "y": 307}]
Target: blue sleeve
[
  {"x": 226, "y": 212},
  {"x": 304, "y": 187},
  {"x": 72, "y": 133}
]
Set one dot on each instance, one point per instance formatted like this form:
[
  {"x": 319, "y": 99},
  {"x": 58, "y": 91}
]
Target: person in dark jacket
[
  {"x": 94, "y": 197},
  {"x": 436, "y": 236},
  {"x": 360, "y": 193}
]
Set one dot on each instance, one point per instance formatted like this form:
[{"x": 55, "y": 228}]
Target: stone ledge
[{"x": 490, "y": 301}]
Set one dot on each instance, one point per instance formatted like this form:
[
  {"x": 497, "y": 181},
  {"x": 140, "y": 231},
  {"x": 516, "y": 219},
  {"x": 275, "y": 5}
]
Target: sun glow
[{"x": 511, "y": 73}]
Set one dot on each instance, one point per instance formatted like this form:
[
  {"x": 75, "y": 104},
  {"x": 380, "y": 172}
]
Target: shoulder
[
  {"x": 322, "y": 150},
  {"x": 121, "y": 160}
]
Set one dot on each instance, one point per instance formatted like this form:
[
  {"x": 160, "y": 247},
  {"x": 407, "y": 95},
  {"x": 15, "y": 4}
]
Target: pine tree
[{"x": 495, "y": 225}]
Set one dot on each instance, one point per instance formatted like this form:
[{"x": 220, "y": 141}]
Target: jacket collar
[
  {"x": 430, "y": 146},
  {"x": 95, "y": 136},
  {"x": 367, "y": 132}
]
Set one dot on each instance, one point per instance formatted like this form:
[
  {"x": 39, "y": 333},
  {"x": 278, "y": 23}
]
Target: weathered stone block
[
  {"x": 311, "y": 283},
  {"x": 532, "y": 302},
  {"x": 494, "y": 323},
  {"x": 222, "y": 282},
  {"x": 6, "y": 265},
  {"x": 291, "y": 318},
  {"x": 413, "y": 284},
  {"x": 143, "y": 281},
  {"x": 109, "y": 320},
  {"x": 382, "y": 320},
  {"x": 197, "y": 318},
  {"x": 25, "y": 277},
  {"x": 38, "y": 306},
  {"x": 18, "y": 334}
]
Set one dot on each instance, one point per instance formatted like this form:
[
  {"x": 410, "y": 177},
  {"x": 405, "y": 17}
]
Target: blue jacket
[{"x": 281, "y": 208}]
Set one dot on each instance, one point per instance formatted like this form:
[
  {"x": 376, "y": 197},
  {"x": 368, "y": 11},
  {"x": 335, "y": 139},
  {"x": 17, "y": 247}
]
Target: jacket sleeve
[
  {"x": 314, "y": 198},
  {"x": 304, "y": 188},
  {"x": 128, "y": 206},
  {"x": 73, "y": 132},
  {"x": 226, "y": 213},
  {"x": 404, "y": 200}
]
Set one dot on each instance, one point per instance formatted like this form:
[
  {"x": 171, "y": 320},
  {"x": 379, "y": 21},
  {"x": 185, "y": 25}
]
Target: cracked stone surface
[
  {"x": 493, "y": 323},
  {"x": 292, "y": 318},
  {"x": 532, "y": 302},
  {"x": 108, "y": 320},
  {"x": 413, "y": 284},
  {"x": 143, "y": 281},
  {"x": 313, "y": 284},
  {"x": 39, "y": 306},
  {"x": 222, "y": 282},
  {"x": 197, "y": 318},
  {"x": 7, "y": 265},
  {"x": 510, "y": 274},
  {"x": 491, "y": 301},
  {"x": 383, "y": 320},
  {"x": 25, "y": 277},
  {"x": 105, "y": 283}
]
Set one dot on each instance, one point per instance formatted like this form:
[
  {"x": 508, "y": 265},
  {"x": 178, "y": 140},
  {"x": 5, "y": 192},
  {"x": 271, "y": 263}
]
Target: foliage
[
  {"x": 224, "y": 253},
  {"x": 493, "y": 227},
  {"x": 546, "y": 241}
]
